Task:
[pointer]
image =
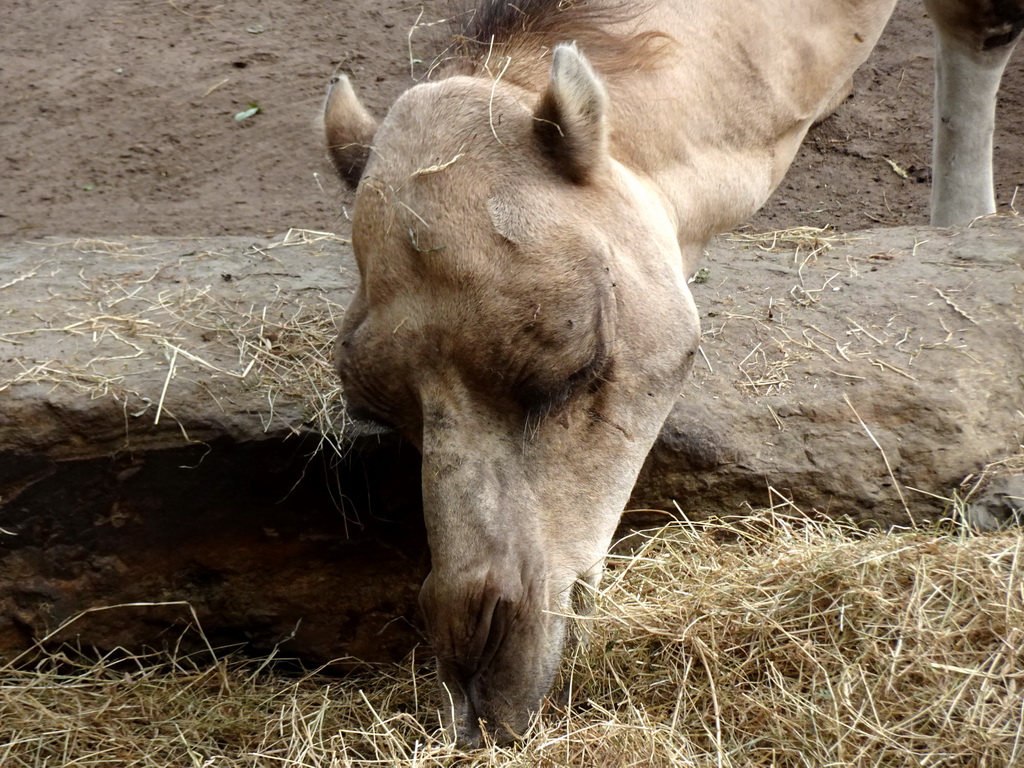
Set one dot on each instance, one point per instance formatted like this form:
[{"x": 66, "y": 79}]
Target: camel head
[{"x": 522, "y": 317}]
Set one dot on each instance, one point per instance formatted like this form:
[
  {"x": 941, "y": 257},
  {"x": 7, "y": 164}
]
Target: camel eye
[
  {"x": 367, "y": 411},
  {"x": 540, "y": 397},
  {"x": 370, "y": 418}
]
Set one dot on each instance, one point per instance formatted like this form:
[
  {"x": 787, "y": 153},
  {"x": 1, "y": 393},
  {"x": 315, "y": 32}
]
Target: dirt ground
[{"x": 118, "y": 118}]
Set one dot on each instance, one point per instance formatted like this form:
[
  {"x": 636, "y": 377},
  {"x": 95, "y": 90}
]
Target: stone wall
[{"x": 172, "y": 435}]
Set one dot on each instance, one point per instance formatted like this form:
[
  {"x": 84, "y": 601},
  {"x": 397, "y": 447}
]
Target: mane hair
[{"x": 520, "y": 29}]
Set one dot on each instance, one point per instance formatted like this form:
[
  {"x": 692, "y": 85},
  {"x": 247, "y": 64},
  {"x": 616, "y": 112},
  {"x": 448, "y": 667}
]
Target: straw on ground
[{"x": 772, "y": 641}]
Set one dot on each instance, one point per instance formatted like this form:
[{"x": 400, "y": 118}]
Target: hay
[
  {"x": 805, "y": 243},
  {"x": 799, "y": 333},
  {"x": 270, "y": 346},
  {"x": 768, "y": 642},
  {"x": 807, "y": 644}
]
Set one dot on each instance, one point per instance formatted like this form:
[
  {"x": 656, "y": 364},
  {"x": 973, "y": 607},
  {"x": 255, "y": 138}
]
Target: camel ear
[
  {"x": 570, "y": 121},
  {"x": 349, "y": 129}
]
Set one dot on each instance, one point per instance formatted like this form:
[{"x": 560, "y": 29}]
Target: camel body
[{"x": 525, "y": 224}]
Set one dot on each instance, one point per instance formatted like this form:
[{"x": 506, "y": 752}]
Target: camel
[{"x": 525, "y": 223}]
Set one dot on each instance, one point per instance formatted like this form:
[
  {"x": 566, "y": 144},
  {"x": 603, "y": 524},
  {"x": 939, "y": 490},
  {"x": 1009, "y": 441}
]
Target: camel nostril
[
  {"x": 486, "y": 639},
  {"x": 496, "y": 632}
]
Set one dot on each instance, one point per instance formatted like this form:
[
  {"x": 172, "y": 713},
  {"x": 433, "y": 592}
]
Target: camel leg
[{"x": 973, "y": 43}]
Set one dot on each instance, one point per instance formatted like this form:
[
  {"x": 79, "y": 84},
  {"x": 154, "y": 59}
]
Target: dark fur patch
[
  {"x": 1008, "y": 17},
  {"x": 514, "y": 26},
  {"x": 503, "y": 20}
]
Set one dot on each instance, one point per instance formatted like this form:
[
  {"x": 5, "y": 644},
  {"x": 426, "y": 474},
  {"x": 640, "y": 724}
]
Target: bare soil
[{"x": 118, "y": 118}]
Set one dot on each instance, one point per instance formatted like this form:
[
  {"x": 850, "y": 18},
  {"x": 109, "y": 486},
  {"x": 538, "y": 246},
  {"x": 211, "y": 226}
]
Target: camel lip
[{"x": 472, "y": 719}]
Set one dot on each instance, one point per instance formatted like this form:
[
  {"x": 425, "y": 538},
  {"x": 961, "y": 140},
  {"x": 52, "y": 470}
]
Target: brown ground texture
[{"x": 118, "y": 118}]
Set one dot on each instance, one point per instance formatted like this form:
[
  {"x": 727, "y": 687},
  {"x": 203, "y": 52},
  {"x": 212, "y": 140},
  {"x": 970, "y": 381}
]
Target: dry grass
[
  {"x": 275, "y": 346},
  {"x": 768, "y": 642},
  {"x": 790, "y": 343},
  {"x": 805, "y": 243}
]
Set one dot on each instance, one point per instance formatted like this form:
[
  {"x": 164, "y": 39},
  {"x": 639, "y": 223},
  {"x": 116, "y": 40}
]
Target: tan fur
[{"x": 524, "y": 228}]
